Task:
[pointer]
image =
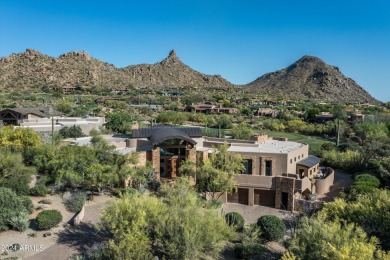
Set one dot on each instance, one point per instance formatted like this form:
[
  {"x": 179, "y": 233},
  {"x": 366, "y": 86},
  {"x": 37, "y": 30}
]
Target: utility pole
[
  {"x": 338, "y": 133},
  {"x": 52, "y": 130}
]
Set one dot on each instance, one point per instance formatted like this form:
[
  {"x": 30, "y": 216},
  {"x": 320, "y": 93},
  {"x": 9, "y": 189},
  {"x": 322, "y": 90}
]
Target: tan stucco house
[{"x": 277, "y": 171}]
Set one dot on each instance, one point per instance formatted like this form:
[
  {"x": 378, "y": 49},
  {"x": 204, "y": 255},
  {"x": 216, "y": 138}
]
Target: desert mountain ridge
[
  {"x": 312, "y": 78},
  {"x": 307, "y": 78}
]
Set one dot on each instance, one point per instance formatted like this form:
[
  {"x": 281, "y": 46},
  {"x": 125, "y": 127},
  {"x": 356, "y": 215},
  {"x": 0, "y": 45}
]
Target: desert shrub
[
  {"x": 250, "y": 245},
  {"x": 20, "y": 222},
  {"x": 327, "y": 146},
  {"x": 76, "y": 202},
  {"x": 71, "y": 132},
  {"x": 48, "y": 219},
  {"x": 272, "y": 228},
  {"x": 12, "y": 207},
  {"x": 365, "y": 183},
  {"x": 235, "y": 219},
  {"x": 27, "y": 204},
  {"x": 39, "y": 190},
  {"x": 348, "y": 160},
  {"x": 368, "y": 178},
  {"x": 45, "y": 201}
]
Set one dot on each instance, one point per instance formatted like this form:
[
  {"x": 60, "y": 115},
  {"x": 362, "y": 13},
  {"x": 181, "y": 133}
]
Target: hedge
[
  {"x": 48, "y": 219},
  {"x": 272, "y": 228},
  {"x": 39, "y": 190},
  {"x": 235, "y": 219}
]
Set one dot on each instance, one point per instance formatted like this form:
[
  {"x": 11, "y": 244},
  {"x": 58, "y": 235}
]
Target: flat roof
[{"x": 271, "y": 146}]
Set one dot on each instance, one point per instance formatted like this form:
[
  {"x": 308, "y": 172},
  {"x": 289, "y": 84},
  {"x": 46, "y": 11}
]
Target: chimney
[
  {"x": 259, "y": 138},
  {"x": 134, "y": 125}
]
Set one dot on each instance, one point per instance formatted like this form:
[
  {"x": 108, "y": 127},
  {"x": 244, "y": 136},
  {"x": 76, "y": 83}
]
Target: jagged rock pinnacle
[
  {"x": 172, "y": 54},
  {"x": 172, "y": 58}
]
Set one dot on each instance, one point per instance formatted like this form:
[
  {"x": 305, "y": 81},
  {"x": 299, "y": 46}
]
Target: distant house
[
  {"x": 15, "y": 116},
  {"x": 119, "y": 91},
  {"x": 151, "y": 106},
  {"x": 45, "y": 119},
  {"x": 208, "y": 108},
  {"x": 68, "y": 89},
  {"x": 324, "y": 117},
  {"x": 356, "y": 116},
  {"x": 103, "y": 100},
  {"x": 171, "y": 94},
  {"x": 266, "y": 112}
]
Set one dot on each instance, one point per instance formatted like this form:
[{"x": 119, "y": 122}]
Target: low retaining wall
[
  {"x": 79, "y": 217},
  {"x": 323, "y": 185}
]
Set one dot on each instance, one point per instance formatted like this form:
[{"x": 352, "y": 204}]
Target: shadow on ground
[{"x": 81, "y": 237}]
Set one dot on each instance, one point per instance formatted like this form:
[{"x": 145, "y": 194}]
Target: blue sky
[{"x": 241, "y": 40}]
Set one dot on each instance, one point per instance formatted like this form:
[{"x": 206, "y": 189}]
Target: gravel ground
[{"x": 55, "y": 246}]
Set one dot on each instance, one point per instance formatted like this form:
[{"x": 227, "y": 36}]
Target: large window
[
  {"x": 248, "y": 167},
  {"x": 268, "y": 168},
  {"x": 172, "y": 151}
]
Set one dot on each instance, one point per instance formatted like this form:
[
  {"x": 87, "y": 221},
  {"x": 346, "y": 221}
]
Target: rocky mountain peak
[
  {"x": 75, "y": 54},
  {"x": 311, "y": 78},
  {"x": 31, "y": 52},
  {"x": 311, "y": 59},
  {"x": 171, "y": 59}
]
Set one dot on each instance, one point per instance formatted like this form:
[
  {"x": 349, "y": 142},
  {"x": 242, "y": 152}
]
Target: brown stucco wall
[
  {"x": 294, "y": 157},
  {"x": 323, "y": 185}
]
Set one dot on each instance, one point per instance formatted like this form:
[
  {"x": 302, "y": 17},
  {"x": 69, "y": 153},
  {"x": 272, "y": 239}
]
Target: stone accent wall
[
  {"x": 79, "y": 217},
  {"x": 156, "y": 161},
  {"x": 259, "y": 138},
  {"x": 284, "y": 184}
]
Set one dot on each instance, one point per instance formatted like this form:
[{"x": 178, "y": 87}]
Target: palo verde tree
[
  {"x": 18, "y": 139},
  {"x": 176, "y": 222},
  {"x": 242, "y": 131},
  {"x": 317, "y": 238}
]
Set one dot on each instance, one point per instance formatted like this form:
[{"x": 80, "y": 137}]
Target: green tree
[
  {"x": 13, "y": 173},
  {"x": 296, "y": 125},
  {"x": 188, "y": 231},
  {"x": 371, "y": 211},
  {"x": 224, "y": 121},
  {"x": 176, "y": 223},
  {"x": 216, "y": 174},
  {"x": 71, "y": 132},
  {"x": 371, "y": 136},
  {"x": 64, "y": 107},
  {"x": 120, "y": 122},
  {"x": 243, "y": 131}
]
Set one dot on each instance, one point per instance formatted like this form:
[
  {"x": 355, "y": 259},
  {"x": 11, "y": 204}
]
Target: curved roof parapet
[
  {"x": 169, "y": 133},
  {"x": 149, "y": 131}
]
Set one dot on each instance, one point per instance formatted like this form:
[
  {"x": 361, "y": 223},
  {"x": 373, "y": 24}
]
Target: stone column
[
  {"x": 251, "y": 197},
  {"x": 156, "y": 162},
  {"x": 278, "y": 192}
]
